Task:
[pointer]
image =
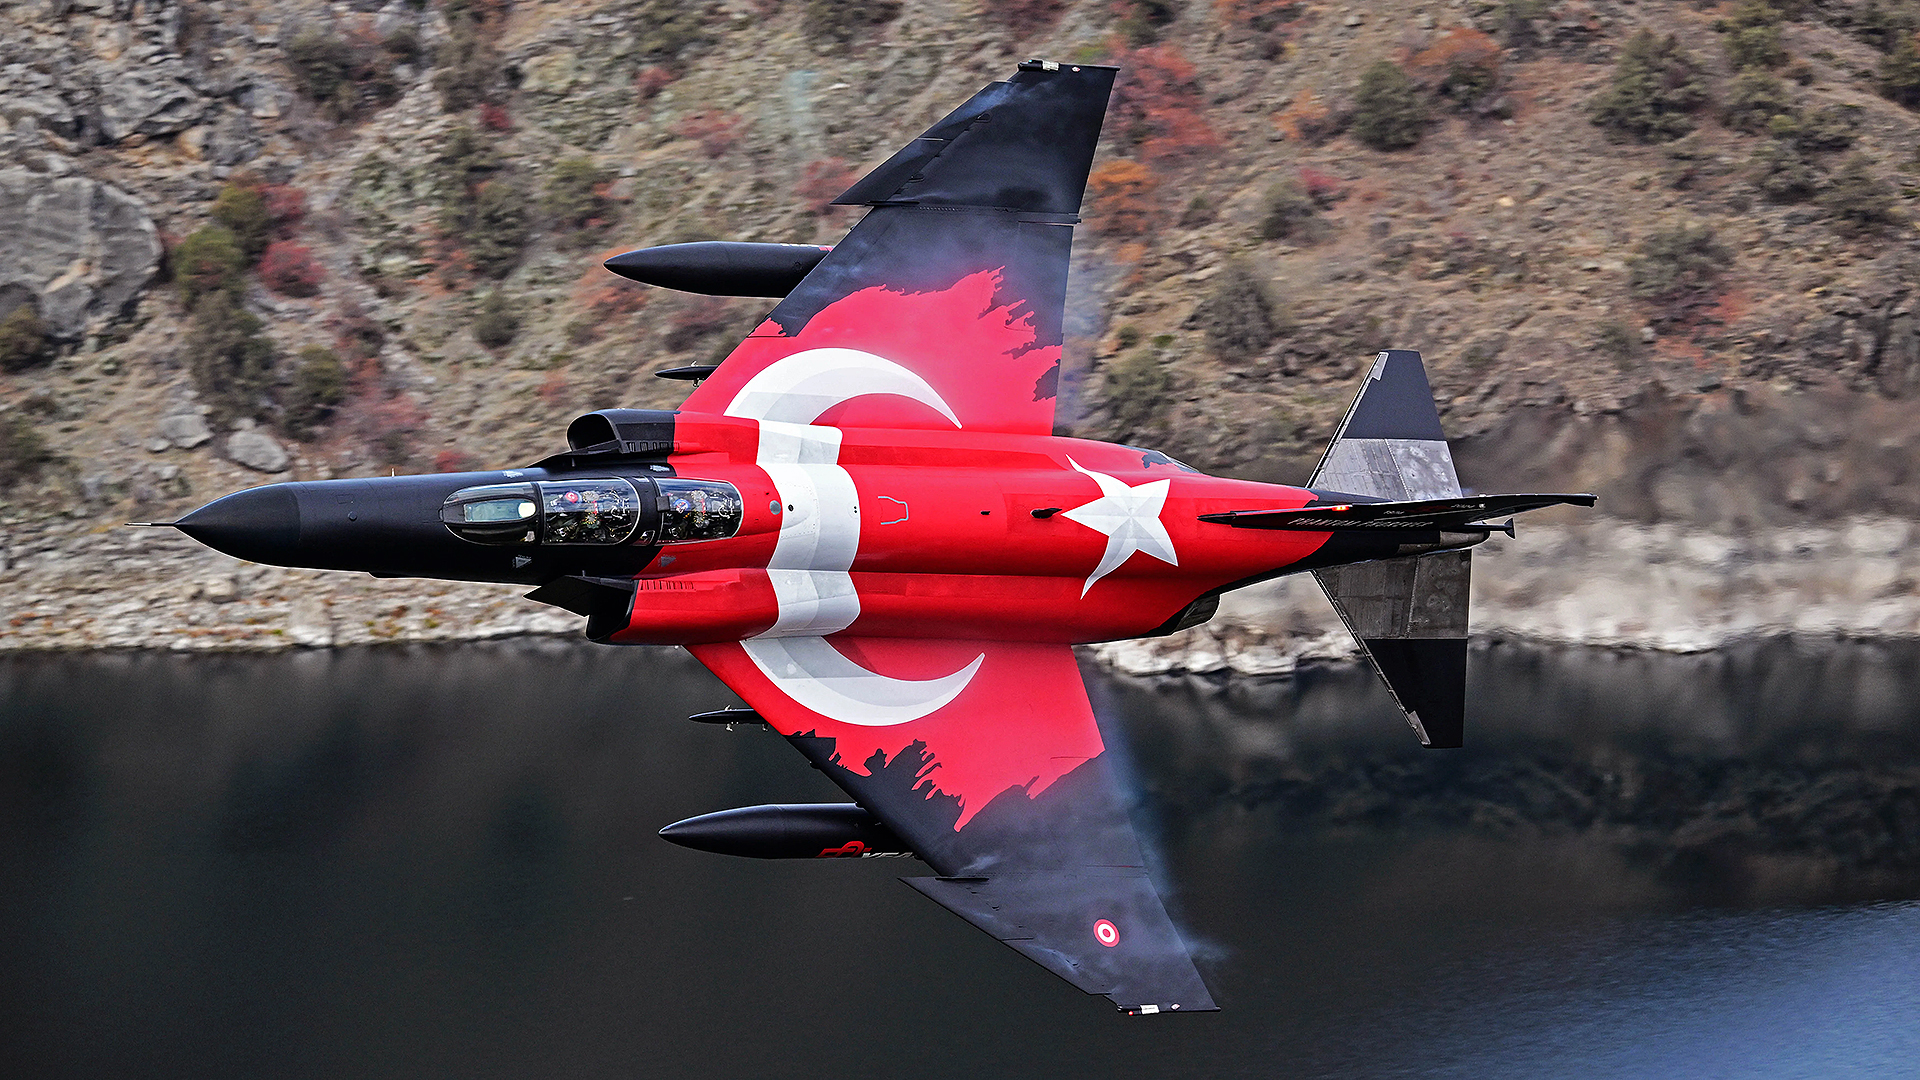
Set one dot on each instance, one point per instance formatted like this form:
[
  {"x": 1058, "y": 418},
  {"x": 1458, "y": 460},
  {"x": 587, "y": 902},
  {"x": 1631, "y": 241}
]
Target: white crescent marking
[
  {"x": 821, "y": 678},
  {"x": 820, "y": 536},
  {"x": 796, "y": 389}
]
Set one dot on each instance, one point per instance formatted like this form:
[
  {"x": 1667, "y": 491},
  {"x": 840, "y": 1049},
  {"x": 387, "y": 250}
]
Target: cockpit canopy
[
  {"x": 567, "y": 512},
  {"x": 599, "y": 511}
]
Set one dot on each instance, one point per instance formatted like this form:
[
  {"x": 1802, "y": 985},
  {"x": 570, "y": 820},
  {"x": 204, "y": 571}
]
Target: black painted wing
[{"x": 1003, "y": 787}]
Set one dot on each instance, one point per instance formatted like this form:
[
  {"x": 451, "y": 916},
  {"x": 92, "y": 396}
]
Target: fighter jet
[{"x": 862, "y": 522}]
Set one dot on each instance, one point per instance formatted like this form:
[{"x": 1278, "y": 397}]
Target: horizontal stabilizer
[
  {"x": 1464, "y": 512},
  {"x": 1105, "y": 933}
]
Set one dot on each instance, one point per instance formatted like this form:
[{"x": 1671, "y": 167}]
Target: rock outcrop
[{"x": 78, "y": 250}]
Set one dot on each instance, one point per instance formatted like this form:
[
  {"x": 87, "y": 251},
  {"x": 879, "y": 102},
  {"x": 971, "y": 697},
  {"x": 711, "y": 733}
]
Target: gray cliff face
[{"x": 80, "y": 251}]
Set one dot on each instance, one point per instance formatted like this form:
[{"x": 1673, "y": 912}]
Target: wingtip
[{"x": 149, "y": 524}]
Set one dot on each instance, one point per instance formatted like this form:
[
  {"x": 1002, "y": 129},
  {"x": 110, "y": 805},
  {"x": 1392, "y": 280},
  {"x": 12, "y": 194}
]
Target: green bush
[
  {"x": 338, "y": 75},
  {"x": 1240, "y": 317},
  {"x": 497, "y": 228},
  {"x": 1753, "y": 100},
  {"x": 1389, "y": 113},
  {"x": 230, "y": 360},
  {"x": 1860, "y": 202},
  {"x": 318, "y": 386},
  {"x": 1756, "y": 47},
  {"x": 843, "y": 20},
  {"x": 1831, "y": 127},
  {"x": 23, "y": 340},
  {"x": 1137, "y": 386},
  {"x": 1289, "y": 212},
  {"x": 1677, "y": 267},
  {"x": 484, "y": 208},
  {"x": 1782, "y": 173},
  {"x": 209, "y": 261},
  {"x": 573, "y": 197},
  {"x": 22, "y": 450},
  {"x": 1656, "y": 84},
  {"x": 470, "y": 66},
  {"x": 496, "y": 324},
  {"x": 1900, "y": 73},
  {"x": 242, "y": 208}
]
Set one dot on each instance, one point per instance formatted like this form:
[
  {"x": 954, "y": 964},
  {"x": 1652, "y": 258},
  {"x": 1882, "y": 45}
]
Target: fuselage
[{"x": 723, "y": 528}]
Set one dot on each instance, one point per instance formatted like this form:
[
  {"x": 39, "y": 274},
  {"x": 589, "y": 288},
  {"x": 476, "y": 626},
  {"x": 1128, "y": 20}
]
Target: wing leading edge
[{"x": 1004, "y": 789}]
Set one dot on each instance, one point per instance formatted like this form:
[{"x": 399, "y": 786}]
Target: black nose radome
[{"x": 260, "y": 525}]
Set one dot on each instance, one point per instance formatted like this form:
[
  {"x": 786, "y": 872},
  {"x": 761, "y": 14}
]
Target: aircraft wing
[
  {"x": 943, "y": 307},
  {"x": 985, "y": 758}
]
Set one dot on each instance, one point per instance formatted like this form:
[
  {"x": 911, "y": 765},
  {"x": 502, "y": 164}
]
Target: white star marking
[{"x": 1130, "y": 518}]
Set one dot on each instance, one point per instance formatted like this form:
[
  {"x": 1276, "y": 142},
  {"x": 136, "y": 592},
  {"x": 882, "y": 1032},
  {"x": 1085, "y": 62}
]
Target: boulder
[
  {"x": 258, "y": 451},
  {"x": 185, "y": 430},
  {"x": 81, "y": 249}
]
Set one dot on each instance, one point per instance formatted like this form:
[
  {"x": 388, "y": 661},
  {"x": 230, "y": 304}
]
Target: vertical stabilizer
[{"x": 1409, "y": 614}]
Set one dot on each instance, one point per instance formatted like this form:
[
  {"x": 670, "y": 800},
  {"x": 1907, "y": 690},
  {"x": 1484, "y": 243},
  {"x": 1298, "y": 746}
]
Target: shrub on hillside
[
  {"x": 1831, "y": 127},
  {"x": 23, "y": 340},
  {"x": 1782, "y": 173},
  {"x": 575, "y": 195},
  {"x": 1289, "y": 212},
  {"x": 843, "y": 20},
  {"x": 1141, "y": 21},
  {"x": 22, "y": 450},
  {"x": 1677, "y": 269},
  {"x": 317, "y": 387},
  {"x": 1656, "y": 85},
  {"x": 496, "y": 323},
  {"x": 824, "y": 181},
  {"x": 342, "y": 75},
  {"x": 496, "y": 228},
  {"x": 1240, "y": 317},
  {"x": 470, "y": 66},
  {"x": 230, "y": 361},
  {"x": 1137, "y": 386},
  {"x": 1388, "y": 113},
  {"x": 1157, "y": 105},
  {"x": 1860, "y": 202},
  {"x": 1900, "y": 73},
  {"x": 715, "y": 130},
  {"x": 290, "y": 269},
  {"x": 1754, "y": 98},
  {"x": 241, "y": 206},
  {"x": 1124, "y": 202},
  {"x": 209, "y": 261},
  {"x": 1024, "y": 17},
  {"x": 1462, "y": 68}
]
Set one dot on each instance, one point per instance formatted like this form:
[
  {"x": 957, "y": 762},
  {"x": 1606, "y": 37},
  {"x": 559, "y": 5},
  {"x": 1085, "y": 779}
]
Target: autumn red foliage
[
  {"x": 1462, "y": 66},
  {"x": 1124, "y": 198},
  {"x": 715, "y": 131},
  {"x": 451, "y": 460},
  {"x": 650, "y": 80},
  {"x": 1324, "y": 189},
  {"x": 290, "y": 269},
  {"x": 1157, "y": 104},
  {"x": 495, "y": 117},
  {"x": 823, "y": 182},
  {"x": 286, "y": 208}
]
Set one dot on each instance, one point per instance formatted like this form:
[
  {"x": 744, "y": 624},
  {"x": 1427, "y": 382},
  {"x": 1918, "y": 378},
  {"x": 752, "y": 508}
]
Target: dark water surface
[{"x": 441, "y": 862}]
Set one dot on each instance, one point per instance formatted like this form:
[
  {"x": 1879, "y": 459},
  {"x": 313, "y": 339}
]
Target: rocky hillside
[{"x": 1663, "y": 251}]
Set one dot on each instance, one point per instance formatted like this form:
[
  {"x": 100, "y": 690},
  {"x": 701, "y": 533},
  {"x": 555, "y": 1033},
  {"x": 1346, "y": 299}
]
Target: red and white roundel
[{"x": 1106, "y": 933}]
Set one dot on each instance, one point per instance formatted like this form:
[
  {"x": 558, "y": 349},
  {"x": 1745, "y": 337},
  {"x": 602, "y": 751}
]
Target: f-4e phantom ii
[{"x": 862, "y": 522}]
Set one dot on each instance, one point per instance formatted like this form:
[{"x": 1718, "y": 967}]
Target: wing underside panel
[{"x": 1043, "y": 857}]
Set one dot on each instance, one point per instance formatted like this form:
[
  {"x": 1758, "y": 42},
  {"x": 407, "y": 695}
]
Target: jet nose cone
[
  {"x": 643, "y": 266},
  {"x": 260, "y": 524}
]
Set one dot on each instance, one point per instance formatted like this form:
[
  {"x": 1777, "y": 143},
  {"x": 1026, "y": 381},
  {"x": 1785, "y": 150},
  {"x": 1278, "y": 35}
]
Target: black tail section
[
  {"x": 1024, "y": 145},
  {"x": 1409, "y": 615},
  {"x": 1465, "y": 513}
]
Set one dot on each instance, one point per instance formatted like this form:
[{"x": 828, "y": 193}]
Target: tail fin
[{"x": 1410, "y": 614}]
